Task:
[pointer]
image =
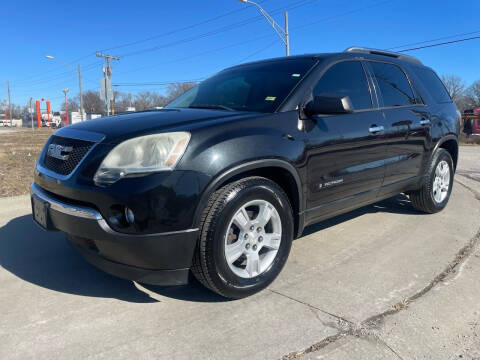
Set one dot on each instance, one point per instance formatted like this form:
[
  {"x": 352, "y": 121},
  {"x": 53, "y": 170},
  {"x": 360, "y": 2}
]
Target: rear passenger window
[
  {"x": 346, "y": 78},
  {"x": 393, "y": 84},
  {"x": 433, "y": 84}
]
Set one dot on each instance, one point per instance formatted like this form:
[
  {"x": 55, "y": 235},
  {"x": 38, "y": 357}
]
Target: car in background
[{"x": 471, "y": 122}]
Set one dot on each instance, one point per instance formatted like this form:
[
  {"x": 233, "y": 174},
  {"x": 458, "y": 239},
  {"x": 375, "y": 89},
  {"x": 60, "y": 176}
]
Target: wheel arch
[
  {"x": 449, "y": 143},
  {"x": 279, "y": 171}
]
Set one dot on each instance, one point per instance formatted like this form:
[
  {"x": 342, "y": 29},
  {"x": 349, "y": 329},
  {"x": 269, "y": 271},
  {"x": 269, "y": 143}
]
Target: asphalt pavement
[{"x": 382, "y": 282}]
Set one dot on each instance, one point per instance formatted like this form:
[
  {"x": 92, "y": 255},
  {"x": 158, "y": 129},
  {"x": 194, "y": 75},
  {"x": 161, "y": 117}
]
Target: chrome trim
[
  {"x": 67, "y": 132},
  {"x": 77, "y": 211},
  {"x": 425, "y": 122},
  {"x": 87, "y": 213},
  {"x": 105, "y": 227}
]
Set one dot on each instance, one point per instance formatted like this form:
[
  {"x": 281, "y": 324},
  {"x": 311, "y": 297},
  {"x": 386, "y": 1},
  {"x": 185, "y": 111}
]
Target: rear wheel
[
  {"x": 246, "y": 235},
  {"x": 435, "y": 192}
]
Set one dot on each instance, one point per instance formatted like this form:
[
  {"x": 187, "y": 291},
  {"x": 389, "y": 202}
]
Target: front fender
[{"x": 234, "y": 171}]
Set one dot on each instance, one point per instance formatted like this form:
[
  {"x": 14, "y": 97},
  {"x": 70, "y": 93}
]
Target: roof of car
[{"x": 349, "y": 52}]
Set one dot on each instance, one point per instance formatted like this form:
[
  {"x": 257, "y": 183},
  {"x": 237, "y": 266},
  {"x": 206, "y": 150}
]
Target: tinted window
[
  {"x": 346, "y": 78},
  {"x": 255, "y": 87},
  {"x": 433, "y": 84},
  {"x": 394, "y": 85}
]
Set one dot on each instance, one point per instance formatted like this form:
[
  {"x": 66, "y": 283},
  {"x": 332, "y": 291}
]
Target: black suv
[{"x": 221, "y": 181}]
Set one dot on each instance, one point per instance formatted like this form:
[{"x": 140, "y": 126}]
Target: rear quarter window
[
  {"x": 433, "y": 84},
  {"x": 393, "y": 83}
]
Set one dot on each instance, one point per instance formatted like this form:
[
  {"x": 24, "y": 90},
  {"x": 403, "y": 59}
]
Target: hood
[{"x": 120, "y": 127}]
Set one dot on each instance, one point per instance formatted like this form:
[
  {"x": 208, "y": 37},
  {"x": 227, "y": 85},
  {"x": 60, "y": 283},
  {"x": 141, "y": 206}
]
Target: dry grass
[{"x": 19, "y": 151}]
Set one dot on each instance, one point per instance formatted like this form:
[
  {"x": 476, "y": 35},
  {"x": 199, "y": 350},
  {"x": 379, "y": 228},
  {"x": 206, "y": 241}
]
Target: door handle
[
  {"x": 425, "y": 122},
  {"x": 375, "y": 129}
]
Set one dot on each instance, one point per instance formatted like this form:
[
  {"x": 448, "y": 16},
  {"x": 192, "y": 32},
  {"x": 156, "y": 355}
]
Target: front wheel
[
  {"x": 246, "y": 235},
  {"x": 433, "y": 196}
]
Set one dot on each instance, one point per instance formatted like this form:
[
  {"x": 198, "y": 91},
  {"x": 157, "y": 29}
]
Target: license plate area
[{"x": 40, "y": 212}]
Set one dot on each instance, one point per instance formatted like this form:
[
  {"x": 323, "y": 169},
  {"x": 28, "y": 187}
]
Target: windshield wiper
[{"x": 212, "y": 106}]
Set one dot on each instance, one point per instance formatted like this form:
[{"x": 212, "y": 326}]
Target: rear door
[
  {"x": 409, "y": 121},
  {"x": 349, "y": 169}
]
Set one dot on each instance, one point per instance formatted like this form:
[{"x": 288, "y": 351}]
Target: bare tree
[
  {"x": 122, "y": 101},
  {"x": 18, "y": 111},
  {"x": 472, "y": 98},
  {"x": 72, "y": 104},
  {"x": 176, "y": 89},
  {"x": 455, "y": 87},
  {"x": 147, "y": 100},
  {"x": 92, "y": 102}
]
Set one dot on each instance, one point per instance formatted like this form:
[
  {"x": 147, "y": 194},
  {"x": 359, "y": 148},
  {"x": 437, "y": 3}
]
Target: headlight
[{"x": 142, "y": 155}]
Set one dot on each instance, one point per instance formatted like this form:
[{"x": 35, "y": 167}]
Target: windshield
[{"x": 258, "y": 87}]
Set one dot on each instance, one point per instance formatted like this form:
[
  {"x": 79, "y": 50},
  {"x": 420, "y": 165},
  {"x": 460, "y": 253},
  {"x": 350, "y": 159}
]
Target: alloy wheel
[
  {"x": 441, "y": 182},
  {"x": 253, "y": 238}
]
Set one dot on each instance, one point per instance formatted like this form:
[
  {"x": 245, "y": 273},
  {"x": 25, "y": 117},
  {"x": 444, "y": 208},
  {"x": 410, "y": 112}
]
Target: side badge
[{"x": 330, "y": 183}]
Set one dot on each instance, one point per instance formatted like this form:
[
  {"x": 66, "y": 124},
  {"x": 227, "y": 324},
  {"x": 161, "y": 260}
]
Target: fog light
[{"x": 129, "y": 216}]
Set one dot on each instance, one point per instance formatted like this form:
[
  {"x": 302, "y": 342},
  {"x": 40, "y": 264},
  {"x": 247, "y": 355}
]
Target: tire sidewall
[
  {"x": 223, "y": 275},
  {"x": 442, "y": 155}
]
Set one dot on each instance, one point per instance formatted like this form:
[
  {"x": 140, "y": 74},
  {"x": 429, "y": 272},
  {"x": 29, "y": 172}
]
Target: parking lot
[{"x": 382, "y": 282}]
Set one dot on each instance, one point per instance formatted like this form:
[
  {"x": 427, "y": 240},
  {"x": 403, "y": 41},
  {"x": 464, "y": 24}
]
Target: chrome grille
[{"x": 79, "y": 149}]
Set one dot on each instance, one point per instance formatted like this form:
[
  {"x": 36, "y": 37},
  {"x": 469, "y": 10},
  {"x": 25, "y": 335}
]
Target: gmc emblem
[{"x": 59, "y": 151}]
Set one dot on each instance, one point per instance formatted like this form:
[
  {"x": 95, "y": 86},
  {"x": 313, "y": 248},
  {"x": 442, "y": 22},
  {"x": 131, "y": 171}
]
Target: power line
[
  {"x": 257, "y": 52},
  {"x": 417, "y": 48},
  {"x": 43, "y": 79},
  {"x": 56, "y": 68},
  {"x": 59, "y": 76},
  {"x": 188, "y": 27},
  {"x": 437, "y": 39},
  {"x": 440, "y": 44},
  {"x": 216, "y": 31},
  {"x": 244, "y": 22},
  {"x": 342, "y": 14},
  {"x": 298, "y": 4},
  {"x": 248, "y": 41}
]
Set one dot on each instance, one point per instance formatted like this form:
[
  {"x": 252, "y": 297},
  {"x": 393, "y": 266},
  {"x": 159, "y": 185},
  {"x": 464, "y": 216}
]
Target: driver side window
[{"x": 346, "y": 78}]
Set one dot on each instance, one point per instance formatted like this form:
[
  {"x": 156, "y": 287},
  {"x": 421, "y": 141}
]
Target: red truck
[{"x": 471, "y": 122}]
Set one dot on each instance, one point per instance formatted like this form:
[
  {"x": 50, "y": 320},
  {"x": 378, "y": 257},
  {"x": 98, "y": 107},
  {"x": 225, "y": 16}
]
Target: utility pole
[
  {"x": 30, "y": 110},
  {"x": 287, "y": 35},
  {"x": 80, "y": 89},
  {"x": 9, "y": 103},
  {"x": 65, "y": 91},
  {"x": 5, "y": 109},
  {"x": 109, "y": 101}
]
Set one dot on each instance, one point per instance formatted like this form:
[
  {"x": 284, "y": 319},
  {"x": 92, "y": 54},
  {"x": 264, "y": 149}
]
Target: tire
[
  {"x": 250, "y": 273},
  {"x": 427, "y": 198}
]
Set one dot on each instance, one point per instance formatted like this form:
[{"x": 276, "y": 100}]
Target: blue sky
[{"x": 230, "y": 32}]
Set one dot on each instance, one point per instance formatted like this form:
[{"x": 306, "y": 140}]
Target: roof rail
[{"x": 358, "y": 49}]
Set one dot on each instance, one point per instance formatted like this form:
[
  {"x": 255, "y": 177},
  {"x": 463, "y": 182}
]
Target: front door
[{"x": 345, "y": 169}]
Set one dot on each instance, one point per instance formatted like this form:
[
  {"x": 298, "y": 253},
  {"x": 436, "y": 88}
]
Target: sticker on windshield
[
  {"x": 270, "y": 98},
  {"x": 295, "y": 75}
]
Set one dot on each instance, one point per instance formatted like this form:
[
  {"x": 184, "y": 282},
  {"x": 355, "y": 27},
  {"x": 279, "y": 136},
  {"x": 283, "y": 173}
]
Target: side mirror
[{"x": 328, "y": 104}]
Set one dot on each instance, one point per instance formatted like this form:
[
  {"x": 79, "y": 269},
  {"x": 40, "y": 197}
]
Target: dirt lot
[{"x": 19, "y": 150}]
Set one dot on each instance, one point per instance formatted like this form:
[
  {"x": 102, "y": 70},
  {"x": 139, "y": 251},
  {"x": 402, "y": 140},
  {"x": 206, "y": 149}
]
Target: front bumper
[{"x": 160, "y": 259}]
